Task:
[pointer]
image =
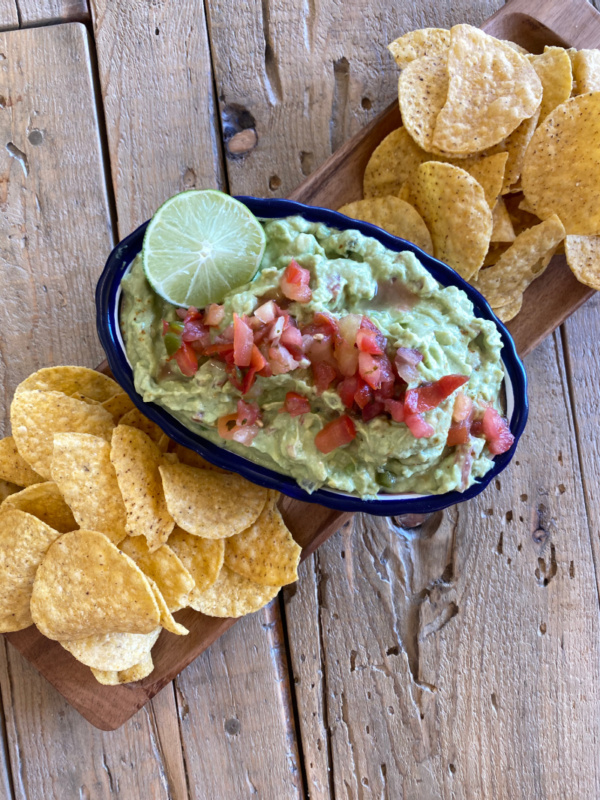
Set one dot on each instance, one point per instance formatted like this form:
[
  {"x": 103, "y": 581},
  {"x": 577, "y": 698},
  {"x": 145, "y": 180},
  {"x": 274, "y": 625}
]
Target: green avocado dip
[{"x": 347, "y": 366}]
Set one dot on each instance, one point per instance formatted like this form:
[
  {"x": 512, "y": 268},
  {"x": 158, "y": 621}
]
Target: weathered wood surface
[
  {"x": 36, "y": 12},
  {"x": 9, "y": 16}
]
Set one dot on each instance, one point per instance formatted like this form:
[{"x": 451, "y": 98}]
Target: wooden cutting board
[{"x": 548, "y": 302}]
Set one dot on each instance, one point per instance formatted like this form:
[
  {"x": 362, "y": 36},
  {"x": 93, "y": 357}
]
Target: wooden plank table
[{"x": 456, "y": 660}]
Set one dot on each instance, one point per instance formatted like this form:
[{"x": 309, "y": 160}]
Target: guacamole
[{"x": 418, "y": 412}]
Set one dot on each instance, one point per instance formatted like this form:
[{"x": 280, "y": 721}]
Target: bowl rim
[{"x": 107, "y": 320}]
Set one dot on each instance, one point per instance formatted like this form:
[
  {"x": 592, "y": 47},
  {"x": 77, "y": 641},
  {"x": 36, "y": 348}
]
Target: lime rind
[{"x": 200, "y": 245}]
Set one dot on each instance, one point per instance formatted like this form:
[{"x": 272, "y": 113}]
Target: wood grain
[
  {"x": 9, "y": 16},
  {"x": 157, "y": 91},
  {"x": 34, "y": 12}
]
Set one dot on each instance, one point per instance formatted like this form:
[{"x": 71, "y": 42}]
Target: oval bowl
[{"x": 108, "y": 293}]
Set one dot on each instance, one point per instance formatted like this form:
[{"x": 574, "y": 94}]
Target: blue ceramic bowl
[{"x": 107, "y": 308}]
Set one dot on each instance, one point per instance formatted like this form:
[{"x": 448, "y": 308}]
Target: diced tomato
[
  {"x": 497, "y": 432},
  {"x": 367, "y": 342},
  {"x": 395, "y": 409},
  {"x": 292, "y": 339},
  {"x": 294, "y": 283},
  {"x": 430, "y": 395},
  {"x": 195, "y": 331},
  {"x": 372, "y": 410},
  {"x": 363, "y": 395},
  {"x": 192, "y": 315},
  {"x": 235, "y": 375},
  {"x": 227, "y": 335},
  {"x": 336, "y": 433},
  {"x": 459, "y": 433},
  {"x": 214, "y": 315},
  {"x": 369, "y": 369},
  {"x": 219, "y": 348},
  {"x": 477, "y": 427},
  {"x": 281, "y": 360},
  {"x": 165, "y": 327},
  {"x": 462, "y": 418},
  {"x": 226, "y": 426},
  {"x": 296, "y": 404},
  {"x": 418, "y": 426},
  {"x": 324, "y": 323},
  {"x": 243, "y": 341},
  {"x": 324, "y": 375},
  {"x": 406, "y": 361},
  {"x": 181, "y": 312},
  {"x": 247, "y": 413},
  {"x": 347, "y": 389},
  {"x": 386, "y": 389},
  {"x": 267, "y": 312},
  {"x": 275, "y": 330},
  {"x": 187, "y": 360}
]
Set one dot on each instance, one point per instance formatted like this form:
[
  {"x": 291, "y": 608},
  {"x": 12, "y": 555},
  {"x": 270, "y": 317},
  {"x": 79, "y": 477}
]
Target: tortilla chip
[
  {"x": 516, "y": 47},
  {"x": 37, "y": 415},
  {"x": 392, "y": 163},
  {"x": 44, "y": 501},
  {"x": 118, "y": 405},
  {"x": 509, "y": 310},
  {"x": 553, "y": 67},
  {"x": 393, "y": 215},
  {"x": 164, "y": 567},
  {"x": 494, "y": 253},
  {"x": 203, "y": 558},
  {"x": 24, "y": 540},
  {"x": 167, "y": 620},
  {"x": 7, "y": 488},
  {"x": 586, "y": 70},
  {"x": 210, "y": 505},
  {"x": 266, "y": 552},
  {"x": 68, "y": 380},
  {"x": 84, "y": 399},
  {"x": 516, "y": 146},
  {"x": 502, "y": 230},
  {"x": 13, "y": 467},
  {"x": 422, "y": 90},
  {"x": 415, "y": 44},
  {"x": 83, "y": 472},
  {"x": 232, "y": 596},
  {"x": 136, "y": 460},
  {"x": 136, "y": 419},
  {"x": 491, "y": 90},
  {"x": 489, "y": 174},
  {"x": 583, "y": 258},
  {"x": 135, "y": 673},
  {"x": 521, "y": 219},
  {"x": 112, "y": 651},
  {"x": 561, "y": 173},
  {"x": 522, "y": 263},
  {"x": 456, "y": 212},
  {"x": 86, "y": 587},
  {"x": 193, "y": 459}
]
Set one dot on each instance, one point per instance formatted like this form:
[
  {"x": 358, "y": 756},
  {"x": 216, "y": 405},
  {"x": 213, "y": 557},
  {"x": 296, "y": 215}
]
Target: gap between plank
[{"x": 216, "y": 99}]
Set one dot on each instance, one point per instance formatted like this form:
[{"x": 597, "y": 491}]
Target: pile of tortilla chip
[
  {"x": 497, "y": 163},
  {"x": 107, "y": 527}
]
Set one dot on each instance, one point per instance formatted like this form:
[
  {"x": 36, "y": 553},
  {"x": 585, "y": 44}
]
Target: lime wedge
[{"x": 199, "y": 245}]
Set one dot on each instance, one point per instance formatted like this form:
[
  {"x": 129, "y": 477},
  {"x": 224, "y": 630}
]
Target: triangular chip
[
  {"x": 85, "y": 587},
  {"x": 415, "y": 44},
  {"x": 135, "y": 673},
  {"x": 516, "y": 146},
  {"x": 83, "y": 471},
  {"x": 37, "y": 415},
  {"x": 202, "y": 557},
  {"x": 69, "y": 380},
  {"x": 208, "y": 504},
  {"x": 266, "y": 552},
  {"x": 502, "y": 230},
  {"x": 583, "y": 257},
  {"x": 491, "y": 90},
  {"x": 422, "y": 91},
  {"x": 136, "y": 419},
  {"x": 44, "y": 501},
  {"x": 112, "y": 651},
  {"x": 136, "y": 459},
  {"x": 164, "y": 567},
  {"x": 553, "y": 67},
  {"x": 24, "y": 540},
  {"x": 393, "y": 215},
  {"x": 232, "y": 596},
  {"x": 167, "y": 620},
  {"x": 586, "y": 70},
  {"x": 13, "y": 467},
  {"x": 489, "y": 174},
  {"x": 118, "y": 405}
]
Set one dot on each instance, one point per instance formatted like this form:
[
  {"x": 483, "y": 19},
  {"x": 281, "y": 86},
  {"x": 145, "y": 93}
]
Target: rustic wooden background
[{"x": 460, "y": 660}]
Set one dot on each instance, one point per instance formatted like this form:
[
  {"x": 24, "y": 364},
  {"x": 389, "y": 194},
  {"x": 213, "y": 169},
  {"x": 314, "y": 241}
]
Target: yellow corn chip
[
  {"x": 68, "y": 380},
  {"x": 456, "y": 212},
  {"x": 164, "y": 567},
  {"x": 516, "y": 146},
  {"x": 522, "y": 263},
  {"x": 392, "y": 163},
  {"x": 84, "y": 399},
  {"x": 553, "y": 67},
  {"x": 494, "y": 253},
  {"x": 136, "y": 419},
  {"x": 516, "y": 47},
  {"x": 83, "y": 472},
  {"x": 193, "y": 459},
  {"x": 112, "y": 651},
  {"x": 586, "y": 70},
  {"x": 393, "y": 215},
  {"x": 561, "y": 173},
  {"x": 232, "y": 596},
  {"x": 266, "y": 552},
  {"x": 37, "y": 415},
  {"x": 167, "y": 620},
  {"x": 509, "y": 310},
  {"x": 135, "y": 673},
  {"x": 208, "y": 504},
  {"x": 583, "y": 257},
  {"x": 422, "y": 90},
  {"x": 520, "y": 218},
  {"x": 44, "y": 501},
  {"x": 13, "y": 467},
  {"x": 118, "y": 405},
  {"x": 203, "y": 558},
  {"x": 489, "y": 174},
  {"x": 85, "y": 587},
  {"x": 24, "y": 540},
  {"x": 502, "y": 230},
  {"x": 7, "y": 488},
  {"x": 136, "y": 460},
  {"x": 415, "y": 44}
]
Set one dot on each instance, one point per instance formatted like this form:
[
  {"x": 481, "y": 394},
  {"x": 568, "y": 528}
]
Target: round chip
[
  {"x": 203, "y": 558},
  {"x": 393, "y": 215},
  {"x": 415, "y": 44},
  {"x": 422, "y": 91},
  {"x": 456, "y": 212},
  {"x": 118, "y": 405},
  {"x": 392, "y": 163},
  {"x": 561, "y": 173},
  {"x": 112, "y": 651},
  {"x": 44, "y": 501},
  {"x": 509, "y": 310},
  {"x": 167, "y": 620},
  {"x": 37, "y": 415},
  {"x": 583, "y": 257},
  {"x": 553, "y": 67},
  {"x": 86, "y": 587},
  {"x": 164, "y": 567},
  {"x": 70, "y": 380},
  {"x": 232, "y": 596},
  {"x": 13, "y": 467},
  {"x": 208, "y": 504},
  {"x": 136, "y": 419},
  {"x": 116, "y": 678}
]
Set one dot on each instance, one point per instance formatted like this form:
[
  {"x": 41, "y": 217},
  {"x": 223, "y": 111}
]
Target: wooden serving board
[{"x": 547, "y": 303}]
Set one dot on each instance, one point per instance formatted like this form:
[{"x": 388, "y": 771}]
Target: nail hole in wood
[
  {"x": 274, "y": 182},
  {"x": 366, "y": 103}
]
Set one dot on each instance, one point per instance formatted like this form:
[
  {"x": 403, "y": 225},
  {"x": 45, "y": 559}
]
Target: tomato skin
[
  {"x": 367, "y": 342},
  {"x": 294, "y": 283},
  {"x": 187, "y": 360},
  {"x": 335, "y": 434},
  {"x": 296, "y": 404},
  {"x": 324, "y": 375},
  {"x": 363, "y": 395},
  {"x": 429, "y": 396},
  {"x": 459, "y": 433},
  {"x": 243, "y": 340},
  {"x": 395, "y": 409},
  {"x": 347, "y": 389},
  {"x": 226, "y": 426},
  {"x": 405, "y": 361},
  {"x": 372, "y": 410},
  {"x": 496, "y": 432},
  {"x": 292, "y": 339},
  {"x": 247, "y": 413},
  {"x": 418, "y": 426},
  {"x": 369, "y": 370}
]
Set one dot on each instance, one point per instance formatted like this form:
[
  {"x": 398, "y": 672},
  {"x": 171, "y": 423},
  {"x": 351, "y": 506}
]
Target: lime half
[{"x": 199, "y": 245}]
